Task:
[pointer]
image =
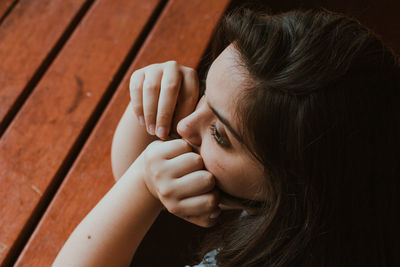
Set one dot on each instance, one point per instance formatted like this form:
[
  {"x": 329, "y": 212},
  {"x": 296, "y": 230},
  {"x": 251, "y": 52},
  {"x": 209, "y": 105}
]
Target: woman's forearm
[
  {"x": 111, "y": 232},
  {"x": 130, "y": 139}
]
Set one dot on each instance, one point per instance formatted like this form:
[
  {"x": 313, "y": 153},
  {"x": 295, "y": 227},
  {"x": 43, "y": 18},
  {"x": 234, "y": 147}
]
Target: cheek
[
  {"x": 234, "y": 175},
  {"x": 222, "y": 167},
  {"x": 211, "y": 157},
  {"x": 216, "y": 162}
]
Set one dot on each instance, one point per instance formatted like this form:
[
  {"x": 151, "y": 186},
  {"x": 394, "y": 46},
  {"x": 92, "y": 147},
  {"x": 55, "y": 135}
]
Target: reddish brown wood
[
  {"x": 182, "y": 33},
  {"x": 28, "y": 34},
  {"x": 5, "y": 5},
  {"x": 36, "y": 144}
]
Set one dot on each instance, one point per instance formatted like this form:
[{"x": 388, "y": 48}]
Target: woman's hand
[
  {"x": 163, "y": 94},
  {"x": 175, "y": 175}
]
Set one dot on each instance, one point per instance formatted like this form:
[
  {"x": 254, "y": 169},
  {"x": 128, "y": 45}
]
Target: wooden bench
[
  {"x": 64, "y": 73},
  {"x": 62, "y": 133}
]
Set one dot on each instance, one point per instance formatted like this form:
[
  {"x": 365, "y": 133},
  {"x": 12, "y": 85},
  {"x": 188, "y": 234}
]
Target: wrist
[{"x": 137, "y": 174}]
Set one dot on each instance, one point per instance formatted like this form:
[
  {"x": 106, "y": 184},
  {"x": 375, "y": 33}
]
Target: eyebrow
[{"x": 226, "y": 123}]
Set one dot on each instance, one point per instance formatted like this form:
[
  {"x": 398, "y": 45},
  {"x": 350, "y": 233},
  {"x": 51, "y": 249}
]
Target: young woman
[{"x": 298, "y": 129}]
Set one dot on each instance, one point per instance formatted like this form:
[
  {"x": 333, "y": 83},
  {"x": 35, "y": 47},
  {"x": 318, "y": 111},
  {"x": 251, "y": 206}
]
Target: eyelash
[{"x": 218, "y": 138}]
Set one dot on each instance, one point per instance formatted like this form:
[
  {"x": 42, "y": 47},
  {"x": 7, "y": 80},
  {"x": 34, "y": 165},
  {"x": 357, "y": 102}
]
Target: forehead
[{"x": 225, "y": 80}]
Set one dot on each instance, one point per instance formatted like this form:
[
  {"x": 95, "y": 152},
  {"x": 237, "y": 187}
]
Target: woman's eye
[{"x": 220, "y": 140}]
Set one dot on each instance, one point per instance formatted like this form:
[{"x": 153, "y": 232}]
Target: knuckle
[
  {"x": 211, "y": 202},
  {"x": 150, "y": 68},
  {"x": 165, "y": 192},
  {"x": 197, "y": 159},
  {"x": 208, "y": 179},
  {"x": 149, "y": 85},
  {"x": 170, "y": 87},
  {"x": 152, "y": 148},
  {"x": 172, "y": 63},
  {"x": 191, "y": 72},
  {"x": 185, "y": 145},
  {"x": 138, "y": 108},
  {"x": 136, "y": 73},
  {"x": 157, "y": 174}
]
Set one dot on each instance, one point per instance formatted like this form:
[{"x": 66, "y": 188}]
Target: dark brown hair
[{"x": 322, "y": 114}]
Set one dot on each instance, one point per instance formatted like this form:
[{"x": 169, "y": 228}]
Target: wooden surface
[
  {"x": 64, "y": 72},
  {"x": 40, "y": 144},
  {"x": 91, "y": 173},
  {"x": 28, "y": 35},
  {"x": 42, "y": 137}
]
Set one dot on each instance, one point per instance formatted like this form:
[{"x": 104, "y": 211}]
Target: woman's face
[{"x": 212, "y": 130}]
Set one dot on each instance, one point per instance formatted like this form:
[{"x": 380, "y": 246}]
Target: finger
[
  {"x": 193, "y": 184},
  {"x": 187, "y": 163},
  {"x": 188, "y": 95},
  {"x": 195, "y": 206},
  {"x": 151, "y": 90},
  {"x": 169, "y": 149},
  {"x": 135, "y": 90},
  {"x": 170, "y": 86}
]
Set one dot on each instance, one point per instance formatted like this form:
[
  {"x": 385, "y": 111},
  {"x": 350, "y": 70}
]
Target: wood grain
[
  {"x": 36, "y": 147},
  {"x": 176, "y": 35},
  {"x": 28, "y": 34}
]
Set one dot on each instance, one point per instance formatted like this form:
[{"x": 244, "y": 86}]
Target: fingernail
[
  {"x": 161, "y": 131},
  {"x": 141, "y": 120},
  {"x": 151, "y": 128},
  {"x": 215, "y": 214}
]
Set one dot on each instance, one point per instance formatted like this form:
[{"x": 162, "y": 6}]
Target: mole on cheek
[{"x": 89, "y": 237}]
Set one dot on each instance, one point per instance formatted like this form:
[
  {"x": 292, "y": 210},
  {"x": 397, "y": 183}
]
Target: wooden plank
[
  {"x": 37, "y": 145},
  {"x": 182, "y": 33},
  {"x": 28, "y": 34},
  {"x": 4, "y": 6}
]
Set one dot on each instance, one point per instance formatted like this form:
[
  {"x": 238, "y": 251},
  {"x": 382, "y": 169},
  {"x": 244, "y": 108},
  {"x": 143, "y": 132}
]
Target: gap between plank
[{"x": 8, "y": 11}]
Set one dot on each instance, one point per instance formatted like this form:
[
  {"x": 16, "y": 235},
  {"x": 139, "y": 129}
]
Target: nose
[{"x": 189, "y": 128}]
